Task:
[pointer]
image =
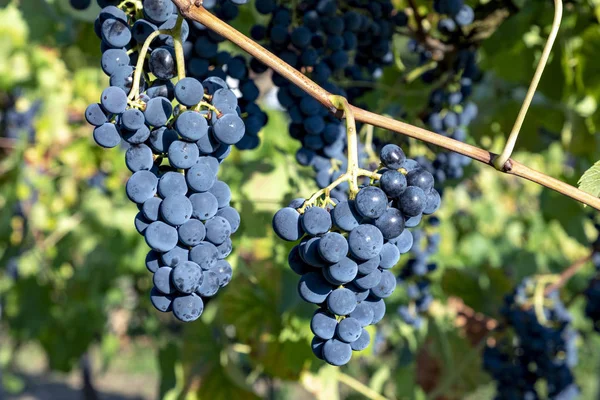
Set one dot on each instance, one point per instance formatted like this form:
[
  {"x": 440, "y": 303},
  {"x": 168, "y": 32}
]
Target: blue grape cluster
[
  {"x": 330, "y": 41},
  {"x": 592, "y": 292},
  {"x": 174, "y": 154},
  {"x": 124, "y": 32},
  {"x": 14, "y": 121},
  {"x": 457, "y": 14},
  {"x": 541, "y": 351},
  {"x": 346, "y": 252}
]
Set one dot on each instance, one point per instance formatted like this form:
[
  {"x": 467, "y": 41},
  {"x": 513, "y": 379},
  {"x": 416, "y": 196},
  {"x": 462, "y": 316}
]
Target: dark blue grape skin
[
  {"x": 412, "y": 202},
  {"x": 393, "y": 183},
  {"x": 362, "y": 342},
  {"x": 349, "y": 330},
  {"x": 176, "y": 209},
  {"x": 323, "y": 324},
  {"x": 391, "y": 223},
  {"x": 224, "y": 272},
  {"x": 157, "y": 11},
  {"x": 210, "y": 284},
  {"x": 345, "y": 216},
  {"x": 132, "y": 119},
  {"x": 368, "y": 266},
  {"x": 433, "y": 202},
  {"x": 113, "y": 100},
  {"x": 200, "y": 178},
  {"x": 172, "y": 183},
  {"x": 343, "y": 271},
  {"x": 107, "y": 135},
  {"x": 153, "y": 262},
  {"x": 141, "y": 186},
  {"x": 333, "y": 247},
  {"x": 221, "y": 192},
  {"x": 151, "y": 209},
  {"x": 392, "y": 156},
  {"x": 158, "y": 111},
  {"x": 365, "y": 242},
  {"x": 313, "y": 288},
  {"x": 115, "y": 33},
  {"x": 229, "y": 129},
  {"x": 386, "y": 285},
  {"x": 368, "y": 281},
  {"x": 341, "y": 301},
  {"x": 141, "y": 223},
  {"x": 162, "y": 302},
  {"x": 191, "y": 125},
  {"x": 371, "y": 202},
  {"x": 420, "y": 178},
  {"x": 138, "y": 136},
  {"x": 188, "y": 307},
  {"x": 310, "y": 252},
  {"x": 297, "y": 264},
  {"x": 316, "y": 221},
  {"x": 363, "y": 313},
  {"x": 160, "y": 236},
  {"x": 175, "y": 256},
  {"x": 205, "y": 254},
  {"x": 413, "y": 221},
  {"x": 161, "y": 139},
  {"x": 204, "y": 205},
  {"x": 287, "y": 224},
  {"x": 183, "y": 154},
  {"x": 218, "y": 230},
  {"x": 162, "y": 280},
  {"x": 231, "y": 215},
  {"x": 225, "y": 249},
  {"x": 336, "y": 352},
  {"x": 112, "y": 59},
  {"x": 378, "y": 306},
  {"x": 139, "y": 157},
  {"x": 317, "y": 347},
  {"x": 192, "y": 232},
  {"x": 186, "y": 277},
  {"x": 189, "y": 91},
  {"x": 95, "y": 115},
  {"x": 212, "y": 162},
  {"x": 404, "y": 242},
  {"x": 389, "y": 256}
]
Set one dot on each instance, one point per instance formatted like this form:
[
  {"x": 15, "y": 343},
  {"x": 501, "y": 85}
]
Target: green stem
[
  {"x": 139, "y": 67},
  {"x": 359, "y": 387},
  {"x": 341, "y": 103},
  {"x": 179, "y": 56}
]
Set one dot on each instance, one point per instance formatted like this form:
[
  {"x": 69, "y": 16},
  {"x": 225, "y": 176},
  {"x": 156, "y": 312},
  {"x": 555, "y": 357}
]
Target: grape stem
[
  {"x": 359, "y": 387},
  {"x": 341, "y": 103},
  {"x": 179, "y": 57},
  {"x": 568, "y": 273},
  {"x": 501, "y": 160},
  {"x": 511, "y": 167}
]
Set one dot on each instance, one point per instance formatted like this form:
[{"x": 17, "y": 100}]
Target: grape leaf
[{"x": 590, "y": 180}]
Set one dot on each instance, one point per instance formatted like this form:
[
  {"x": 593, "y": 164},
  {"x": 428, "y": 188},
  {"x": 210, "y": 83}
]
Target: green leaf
[{"x": 590, "y": 180}]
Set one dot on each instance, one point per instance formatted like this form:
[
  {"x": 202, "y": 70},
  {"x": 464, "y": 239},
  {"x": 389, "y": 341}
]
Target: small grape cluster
[
  {"x": 541, "y": 350},
  {"x": 330, "y": 41},
  {"x": 592, "y": 292},
  {"x": 347, "y": 249},
  {"x": 174, "y": 154},
  {"x": 16, "y": 121}
]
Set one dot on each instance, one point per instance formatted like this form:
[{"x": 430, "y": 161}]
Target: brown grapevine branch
[
  {"x": 568, "y": 274},
  {"x": 511, "y": 167}
]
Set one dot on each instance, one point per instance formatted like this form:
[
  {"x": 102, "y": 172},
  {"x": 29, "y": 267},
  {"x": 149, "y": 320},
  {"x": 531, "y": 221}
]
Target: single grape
[
  {"x": 162, "y": 280},
  {"x": 341, "y": 301},
  {"x": 336, "y": 352},
  {"x": 160, "y": 236},
  {"x": 371, "y": 202},
  {"x": 187, "y": 276},
  {"x": 323, "y": 324},
  {"x": 176, "y": 209},
  {"x": 349, "y": 330},
  {"x": 192, "y": 232},
  {"x": 365, "y": 242},
  {"x": 316, "y": 221},
  {"x": 287, "y": 224},
  {"x": 205, "y": 254},
  {"x": 204, "y": 205},
  {"x": 188, "y": 308}
]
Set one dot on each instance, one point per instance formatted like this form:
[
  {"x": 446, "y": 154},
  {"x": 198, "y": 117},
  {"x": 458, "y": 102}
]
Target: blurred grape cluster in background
[{"x": 76, "y": 320}]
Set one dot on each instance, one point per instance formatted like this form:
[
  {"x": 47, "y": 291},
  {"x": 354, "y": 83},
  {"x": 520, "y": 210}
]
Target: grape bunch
[
  {"x": 347, "y": 249},
  {"x": 177, "y": 136},
  {"x": 541, "y": 350},
  {"x": 331, "y": 42}
]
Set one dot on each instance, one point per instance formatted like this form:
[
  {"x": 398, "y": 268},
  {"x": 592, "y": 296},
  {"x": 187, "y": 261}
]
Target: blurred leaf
[{"x": 590, "y": 180}]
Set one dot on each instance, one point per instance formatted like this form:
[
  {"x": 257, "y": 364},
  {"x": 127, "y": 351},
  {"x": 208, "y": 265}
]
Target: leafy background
[{"x": 82, "y": 286}]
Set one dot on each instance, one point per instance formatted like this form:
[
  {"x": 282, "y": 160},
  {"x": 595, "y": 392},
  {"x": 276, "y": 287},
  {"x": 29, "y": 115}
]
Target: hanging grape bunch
[
  {"x": 348, "y": 248},
  {"x": 174, "y": 152}
]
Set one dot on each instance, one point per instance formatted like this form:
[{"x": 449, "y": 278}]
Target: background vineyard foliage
[{"x": 80, "y": 261}]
